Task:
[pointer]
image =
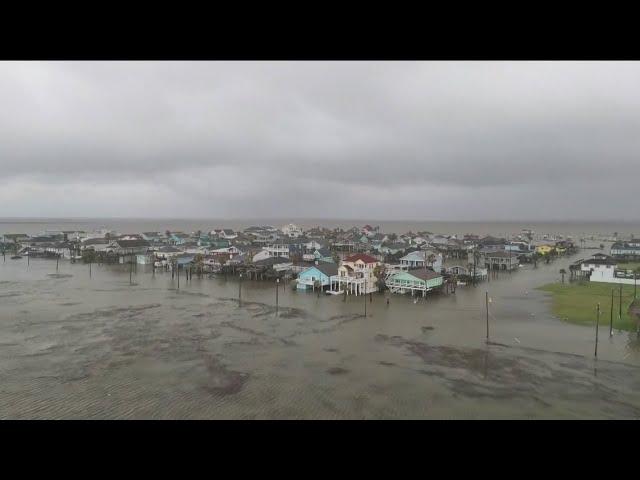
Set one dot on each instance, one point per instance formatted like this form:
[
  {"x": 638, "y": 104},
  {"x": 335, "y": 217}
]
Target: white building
[
  {"x": 418, "y": 259},
  {"x": 292, "y": 231},
  {"x": 356, "y": 275}
]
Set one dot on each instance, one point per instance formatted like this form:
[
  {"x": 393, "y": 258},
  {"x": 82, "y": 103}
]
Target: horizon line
[{"x": 334, "y": 219}]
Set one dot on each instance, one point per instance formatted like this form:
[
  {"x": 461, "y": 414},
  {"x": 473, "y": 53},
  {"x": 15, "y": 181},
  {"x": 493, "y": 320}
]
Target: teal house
[
  {"x": 322, "y": 272},
  {"x": 415, "y": 281}
]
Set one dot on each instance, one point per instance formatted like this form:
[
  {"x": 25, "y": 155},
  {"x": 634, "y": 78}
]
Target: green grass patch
[{"x": 576, "y": 302}]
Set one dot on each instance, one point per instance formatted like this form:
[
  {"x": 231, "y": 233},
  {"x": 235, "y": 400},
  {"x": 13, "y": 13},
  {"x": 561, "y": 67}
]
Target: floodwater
[{"x": 80, "y": 347}]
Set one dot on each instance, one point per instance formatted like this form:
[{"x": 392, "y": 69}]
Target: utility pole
[
  {"x": 611, "y": 319},
  {"x": 240, "y": 291},
  {"x": 597, "y": 324},
  {"x": 365, "y": 298},
  {"x": 486, "y": 301},
  {"x": 277, "y": 289},
  {"x": 620, "y": 308},
  {"x": 178, "y": 273}
]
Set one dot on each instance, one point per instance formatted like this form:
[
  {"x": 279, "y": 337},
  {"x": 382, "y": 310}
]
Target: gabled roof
[
  {"x": 132, "y": 243},
  {"x": 329, "y": 269},
  {"x": 95, "y": 241},
  {"x": 489, "y": 240},
  {"x": 168, "y": 249},
  {"x": 418, "y": 255},
  {"x": 325, "y": 252},
  {"x": 423, "y": 274},
  {"x": 361, "y": 256}
]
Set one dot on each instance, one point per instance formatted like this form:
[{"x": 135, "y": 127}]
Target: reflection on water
[{"x": 74, "y": 346}]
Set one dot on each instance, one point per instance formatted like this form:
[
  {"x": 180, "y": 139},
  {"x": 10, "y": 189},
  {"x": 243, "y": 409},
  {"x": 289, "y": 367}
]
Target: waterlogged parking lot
[{"x": 80, "y": 346}]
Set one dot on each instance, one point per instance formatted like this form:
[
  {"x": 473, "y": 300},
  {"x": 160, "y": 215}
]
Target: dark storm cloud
[{"x": 494, "y": 140}]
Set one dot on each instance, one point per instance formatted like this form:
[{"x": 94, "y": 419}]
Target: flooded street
[{"x": 74, "y": 346}]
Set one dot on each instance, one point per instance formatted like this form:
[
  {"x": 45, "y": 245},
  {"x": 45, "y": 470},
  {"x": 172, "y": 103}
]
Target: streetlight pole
[
  {"x": 240, "y": 292},
  {"x": 597, "y": 324},
  {"x": 611, "y": 319},
  {"x": 620, "y": 303},
  {"x": 365, "y": 297},
  {"x": 486, "y": 300},
  {"x": 277, "y": 289}
]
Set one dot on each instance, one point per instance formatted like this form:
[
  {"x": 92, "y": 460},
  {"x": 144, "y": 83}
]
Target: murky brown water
[{"x": 78, "y": 347}]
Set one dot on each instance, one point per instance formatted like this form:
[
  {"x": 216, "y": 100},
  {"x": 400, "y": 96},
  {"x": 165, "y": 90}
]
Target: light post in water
[
  {"x": 240, "y": 291},
  {"x": 365, "y": 297},
  {"x": 487, "y": 300},
  {"x": 277, "y": 288},
  {"x": 620, "y": 308},
  {"x": 597, "y": 325},
  {"x": 611, "y": 319}
]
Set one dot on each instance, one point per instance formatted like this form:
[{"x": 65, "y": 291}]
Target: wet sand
[{"x": 78, "y": 347}]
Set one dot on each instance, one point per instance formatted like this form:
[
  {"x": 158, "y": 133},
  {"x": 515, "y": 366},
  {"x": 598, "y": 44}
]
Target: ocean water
[
  {"x": 130, "y": 225},
  {"x": 81, "y": 346}
]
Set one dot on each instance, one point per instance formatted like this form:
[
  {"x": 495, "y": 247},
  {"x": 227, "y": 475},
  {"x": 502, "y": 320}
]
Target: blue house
[{"x": 321, "y": 272}]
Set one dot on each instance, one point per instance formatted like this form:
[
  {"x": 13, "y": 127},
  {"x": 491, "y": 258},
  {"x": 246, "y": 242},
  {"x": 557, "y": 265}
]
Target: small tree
[{"x": 379, "y": 273}]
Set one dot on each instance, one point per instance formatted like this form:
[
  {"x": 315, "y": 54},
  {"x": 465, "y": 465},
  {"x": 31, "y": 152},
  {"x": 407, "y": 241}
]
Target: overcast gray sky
[{"x": 406, "y": 140}]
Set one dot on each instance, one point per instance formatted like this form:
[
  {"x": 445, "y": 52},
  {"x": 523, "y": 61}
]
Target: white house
[
  {"x": 96, "y": 244},
  {"x": 418, "y": 259},
  {"x": 291, "y": 230},
  {"x": 608, "y": 273},
  {"x": 261, "y": 255},
  {"x": 356, "y": 275}
]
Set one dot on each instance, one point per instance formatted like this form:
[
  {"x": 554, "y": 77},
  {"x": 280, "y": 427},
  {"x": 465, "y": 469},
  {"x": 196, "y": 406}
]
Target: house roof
[
  {"x": 361, "y": 256},
  {"x": 132, "y": 243},
  {"x": 95, "y": 241},
  {"x": 423, "y": 274},
  {"x": 168, "y": 249},
  {"x": 329, "y": 269},
  {"x": 325, "y": 252},
  {"x": 418, "y": 255},
  {"x": 489, "y": 240}
]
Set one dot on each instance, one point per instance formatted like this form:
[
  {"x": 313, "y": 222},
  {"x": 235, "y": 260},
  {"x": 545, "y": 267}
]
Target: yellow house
[{"x": 544, "y": 249}]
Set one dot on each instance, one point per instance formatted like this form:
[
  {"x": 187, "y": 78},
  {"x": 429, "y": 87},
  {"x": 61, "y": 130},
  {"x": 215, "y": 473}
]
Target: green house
[{"x": 416, "y": 280}]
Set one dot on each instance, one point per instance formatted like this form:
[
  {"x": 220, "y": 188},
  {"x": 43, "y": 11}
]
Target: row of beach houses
[{"x": 351, "y": 261}]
